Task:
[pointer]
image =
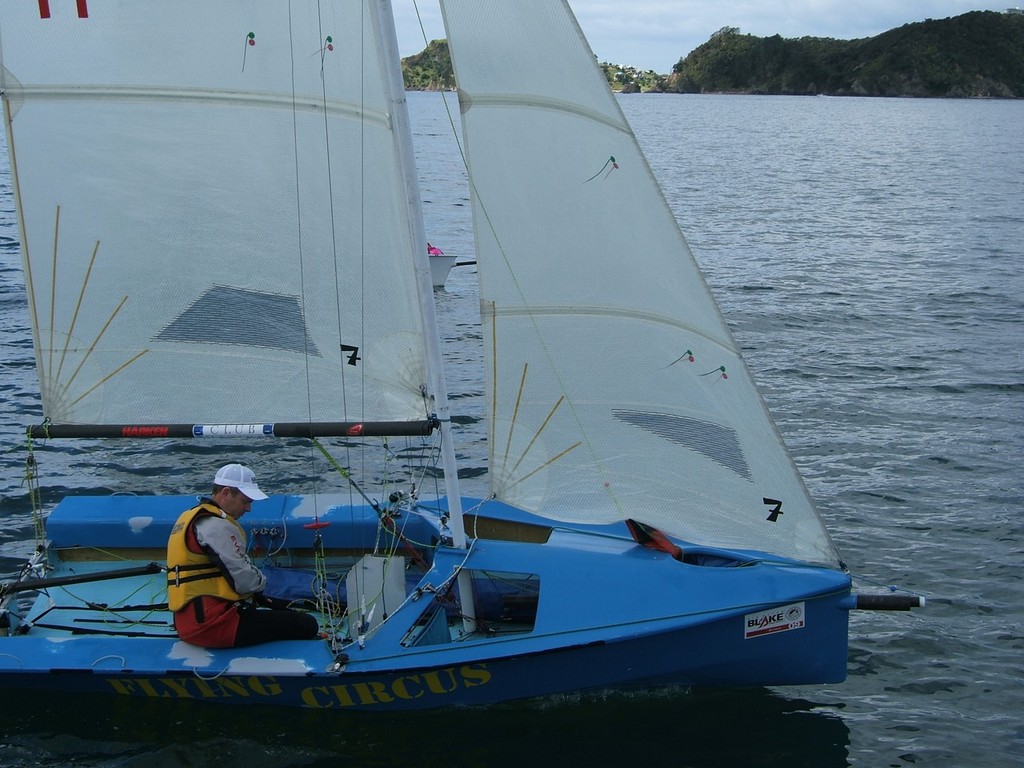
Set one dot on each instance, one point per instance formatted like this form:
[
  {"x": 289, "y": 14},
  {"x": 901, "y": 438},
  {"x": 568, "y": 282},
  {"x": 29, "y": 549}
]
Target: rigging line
[
  {"x": 298, "y": 227},
  {"x": 108, "y": 657},
  {"x": 53, "y": 284},
  {"x": 74, "y": 317},
  {"x": 334, "y": 258},
  {"x": 35, "y": 498},
  {"x": 431, "y": 458},
  {"x": 106, "y": 553},
  {"x": 119, "y": 624},
  {"x": 346, "y": 474},
  {"x": 298, "y": 193},
  {"x": 494, "y": 372},
  {"x": 109, "y": 632},
  {"x": 112, "y": 611},
  {"x": 325, "y": 604},
  {"x": 398, "y": 537},
  {"x": 330, "y": 189},
  {"x": 104, "y": 608},
  {"x": 356, "y": 258},
  {"x": 330, "y": 199},
  {"x": 362, "y": 210}
]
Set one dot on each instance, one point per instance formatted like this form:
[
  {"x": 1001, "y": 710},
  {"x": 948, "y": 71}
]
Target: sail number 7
[
  {"x": 775, "y": 511},
  {"x": 353, "y": 357}
]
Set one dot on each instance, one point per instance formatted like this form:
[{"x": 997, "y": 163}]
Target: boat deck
[{"x": 96, "y": 619}]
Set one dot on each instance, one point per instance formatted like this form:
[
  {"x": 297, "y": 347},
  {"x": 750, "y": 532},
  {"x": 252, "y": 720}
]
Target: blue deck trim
[{"x": 125, "y": 521}]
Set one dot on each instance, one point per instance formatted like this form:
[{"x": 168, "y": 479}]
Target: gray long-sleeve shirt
[{"x": 221, "y": 538}]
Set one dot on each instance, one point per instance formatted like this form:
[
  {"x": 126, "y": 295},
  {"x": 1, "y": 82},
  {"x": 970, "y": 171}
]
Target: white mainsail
[
  {"x": 615, "y": 389},
  {"x": 214, "y": 225}
]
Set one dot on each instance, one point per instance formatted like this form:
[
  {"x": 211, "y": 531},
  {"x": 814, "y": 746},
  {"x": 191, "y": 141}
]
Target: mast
[{"x": 402, "y": 133}]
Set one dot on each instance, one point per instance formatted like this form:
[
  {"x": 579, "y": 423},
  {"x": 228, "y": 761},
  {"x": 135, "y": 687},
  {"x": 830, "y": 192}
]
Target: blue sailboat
[{"x": 222, "y": 241}]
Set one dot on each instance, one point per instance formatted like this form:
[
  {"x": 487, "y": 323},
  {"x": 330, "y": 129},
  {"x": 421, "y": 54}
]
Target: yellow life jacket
[{"x": 194, "y": 574}]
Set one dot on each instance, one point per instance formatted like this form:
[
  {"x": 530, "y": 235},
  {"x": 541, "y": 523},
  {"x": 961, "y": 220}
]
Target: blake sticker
[{"x": 775, "y": 620}]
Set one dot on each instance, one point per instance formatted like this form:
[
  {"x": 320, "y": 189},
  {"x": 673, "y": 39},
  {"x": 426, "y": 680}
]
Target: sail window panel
[
  {"x": 718, "y": 443},
  {"x": 225, "y": 315}
]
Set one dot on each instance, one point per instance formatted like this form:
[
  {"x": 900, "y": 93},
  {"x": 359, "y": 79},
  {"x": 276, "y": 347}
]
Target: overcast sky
[{"x": 655, "y": 34}]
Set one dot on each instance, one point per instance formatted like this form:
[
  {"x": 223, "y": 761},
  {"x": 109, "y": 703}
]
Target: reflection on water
[{"x": 707, "y": 729}]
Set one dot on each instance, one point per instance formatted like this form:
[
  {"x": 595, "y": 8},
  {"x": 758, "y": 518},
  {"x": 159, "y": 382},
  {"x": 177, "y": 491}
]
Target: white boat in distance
[{"x": 441, "y": 264}]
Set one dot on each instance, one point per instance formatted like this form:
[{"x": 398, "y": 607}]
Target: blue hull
[{"x": 577, "y": 609}]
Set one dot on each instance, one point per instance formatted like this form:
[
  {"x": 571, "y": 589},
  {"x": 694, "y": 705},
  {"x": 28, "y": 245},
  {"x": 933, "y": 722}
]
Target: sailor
[{"x": 213, "y": 588}]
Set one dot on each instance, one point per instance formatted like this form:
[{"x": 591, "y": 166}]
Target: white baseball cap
[{"x": 240, "y": 477}]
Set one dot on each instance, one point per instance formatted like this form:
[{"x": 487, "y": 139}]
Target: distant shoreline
[{"x": 977, "y": 55}]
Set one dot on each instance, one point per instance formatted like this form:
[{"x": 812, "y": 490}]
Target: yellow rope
[{"x": 32, "y": 483}]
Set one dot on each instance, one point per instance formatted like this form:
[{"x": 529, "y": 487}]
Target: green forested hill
[
  {"x": 973, "y": 55},
  {"x": 430, "y": 69},
  {"x": 978, "y": 54}
]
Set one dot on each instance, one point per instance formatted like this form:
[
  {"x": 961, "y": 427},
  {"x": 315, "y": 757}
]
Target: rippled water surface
[{"x": 868, "y": 254}]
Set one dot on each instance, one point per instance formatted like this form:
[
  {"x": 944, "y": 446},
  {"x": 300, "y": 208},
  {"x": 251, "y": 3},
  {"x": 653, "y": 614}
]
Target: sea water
[{"x": 868, "y": 255}]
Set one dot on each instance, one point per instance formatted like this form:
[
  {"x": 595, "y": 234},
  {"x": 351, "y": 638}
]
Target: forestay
[
  {"x": 615, "y": 388},
  {"x": 214, "y": 227}
]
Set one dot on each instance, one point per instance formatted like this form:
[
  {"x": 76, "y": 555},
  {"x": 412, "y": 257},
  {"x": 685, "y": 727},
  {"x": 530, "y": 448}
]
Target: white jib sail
[
  {"x": 213, "y": 221},
  {"x": 615, "y": 388}
]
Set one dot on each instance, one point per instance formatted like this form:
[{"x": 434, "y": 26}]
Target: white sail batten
[
  {"x": 615, "y": 389},
  {"x": 213, "y": 216}
]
